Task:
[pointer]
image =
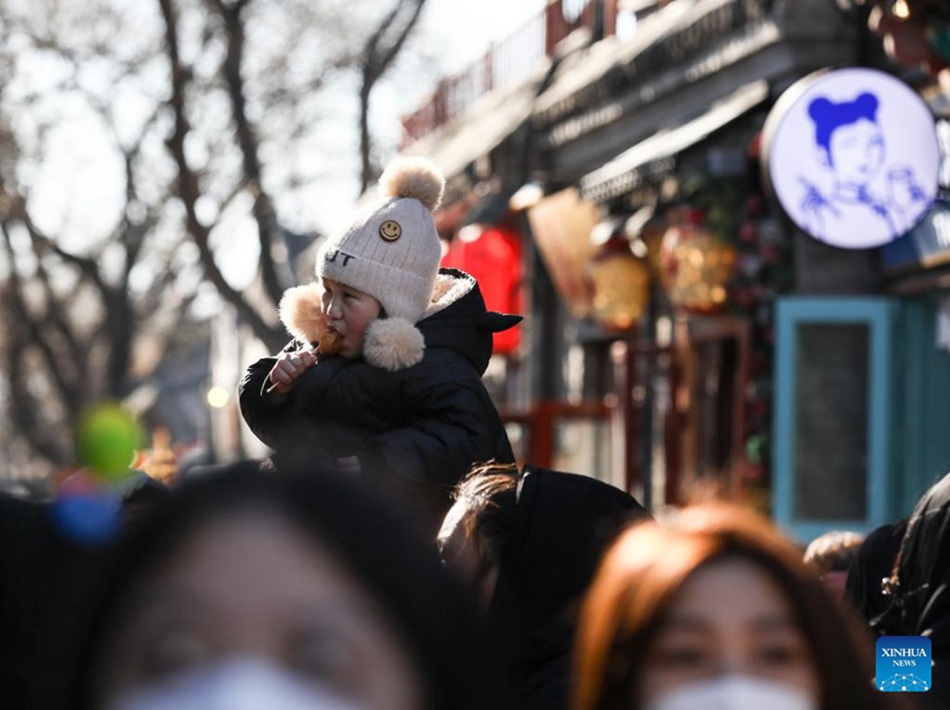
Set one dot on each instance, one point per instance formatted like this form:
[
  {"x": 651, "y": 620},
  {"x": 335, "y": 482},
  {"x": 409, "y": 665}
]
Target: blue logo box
[{"x": 903, "y": 664}]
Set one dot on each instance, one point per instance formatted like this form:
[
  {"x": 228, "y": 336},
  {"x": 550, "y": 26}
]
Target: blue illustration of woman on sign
[{"x": 851, "y": 145}]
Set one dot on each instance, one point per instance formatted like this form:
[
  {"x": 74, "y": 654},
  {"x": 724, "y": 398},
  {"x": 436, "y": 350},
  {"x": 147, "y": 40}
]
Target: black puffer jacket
[
  {"x": 561, "y": 525},
  {"x": 425, "y": 424}
]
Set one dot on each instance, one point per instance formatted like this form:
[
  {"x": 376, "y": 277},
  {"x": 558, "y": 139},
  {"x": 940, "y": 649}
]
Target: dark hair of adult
[
  {"x": 398, "y": 569},
  {"x": 833, "y": 552},
  {"x": 544, "y": 533},
  {"x": 489, "y": 493},
  {"x": 643, "y": 570},
  {"x": 873, "y": 562}
]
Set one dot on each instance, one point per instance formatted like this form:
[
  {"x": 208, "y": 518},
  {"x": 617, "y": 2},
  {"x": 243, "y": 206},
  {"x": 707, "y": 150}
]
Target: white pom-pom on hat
[
  {"x": 393, "y": 344},
  {"x": 413, "y": 177}
]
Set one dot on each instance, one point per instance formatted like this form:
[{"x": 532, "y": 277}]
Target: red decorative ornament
[
  {"x": 749, "y": 232},
  {"x": 493, "y": 257}
]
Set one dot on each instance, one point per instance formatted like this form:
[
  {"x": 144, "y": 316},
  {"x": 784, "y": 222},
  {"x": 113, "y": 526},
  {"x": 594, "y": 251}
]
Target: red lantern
[{"x": 493, "y": 257}]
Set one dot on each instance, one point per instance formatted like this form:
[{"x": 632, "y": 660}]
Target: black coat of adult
[
  {"x": 873, "y": 562},
  {"x": 561, "y": 525},
  {"x": 922, "y": 599},
  {"x": 44, "y": 570},
  {"x": 424, "y": 425},
  {"x": 33, "y": 576}
]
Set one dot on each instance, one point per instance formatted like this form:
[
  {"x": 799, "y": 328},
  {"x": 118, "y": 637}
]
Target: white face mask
[
  {"x": 733, "y": 692},
  {"x": 235, "y": 684}
]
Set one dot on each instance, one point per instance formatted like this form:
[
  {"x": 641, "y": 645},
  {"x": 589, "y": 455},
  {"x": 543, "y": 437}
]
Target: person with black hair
[
  {"x": 830, "y": 555},
  {"x": 920, "y": 586},
  {"x": 36, "y": 562},
  {"x": 872, "y": 566},
  {"x": 246, "y": 589},
  {"x": 49, "y": 555},
  {"x": 527, "y": 541}
]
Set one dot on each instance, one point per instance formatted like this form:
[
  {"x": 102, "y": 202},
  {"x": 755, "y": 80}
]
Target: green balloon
[{"x": 107, "y": 440}]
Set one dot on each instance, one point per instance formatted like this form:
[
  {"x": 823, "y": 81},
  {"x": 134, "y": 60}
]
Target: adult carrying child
[{"x": 383, "y": 374}]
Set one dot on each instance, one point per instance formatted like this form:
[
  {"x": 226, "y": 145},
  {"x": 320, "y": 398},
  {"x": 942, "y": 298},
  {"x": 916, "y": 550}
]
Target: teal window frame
[{"x": 878, "y": 314}]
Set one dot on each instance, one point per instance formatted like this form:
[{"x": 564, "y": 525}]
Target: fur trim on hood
[
  {"x": 446, "y": 290},
  {"x": 301, "y": 312},
  {"x": 395, "y": 343},
  {"x": 391, "y": 343}
]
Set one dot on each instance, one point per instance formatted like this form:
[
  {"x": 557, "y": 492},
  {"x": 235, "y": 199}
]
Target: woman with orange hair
[{"x": 715, "y": 611}]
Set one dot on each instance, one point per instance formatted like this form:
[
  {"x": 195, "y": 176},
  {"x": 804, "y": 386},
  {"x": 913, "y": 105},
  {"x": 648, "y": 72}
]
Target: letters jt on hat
[{"x": 392, "y": 252}]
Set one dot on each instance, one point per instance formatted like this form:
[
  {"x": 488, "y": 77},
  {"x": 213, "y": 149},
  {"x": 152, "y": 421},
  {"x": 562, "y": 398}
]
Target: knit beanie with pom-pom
[{"x": 392, "y": 252}]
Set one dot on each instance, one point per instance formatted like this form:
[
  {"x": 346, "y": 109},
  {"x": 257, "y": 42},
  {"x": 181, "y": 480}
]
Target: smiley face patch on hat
[{"x": 390, "y": 230}]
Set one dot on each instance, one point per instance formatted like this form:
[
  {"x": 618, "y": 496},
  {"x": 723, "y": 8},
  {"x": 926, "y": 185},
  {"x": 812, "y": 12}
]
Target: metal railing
[{"x": 508, "y": 61}]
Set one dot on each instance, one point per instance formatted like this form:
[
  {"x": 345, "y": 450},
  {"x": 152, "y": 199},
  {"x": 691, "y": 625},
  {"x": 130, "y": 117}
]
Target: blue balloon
[{"x": 92, "y": 518}]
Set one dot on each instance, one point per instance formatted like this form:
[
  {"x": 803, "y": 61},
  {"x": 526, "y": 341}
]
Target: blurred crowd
[{"x": 255, "y": 586}]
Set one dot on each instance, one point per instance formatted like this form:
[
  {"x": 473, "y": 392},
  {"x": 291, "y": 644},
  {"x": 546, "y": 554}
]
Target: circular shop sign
[{"x": 852, "y": 156}]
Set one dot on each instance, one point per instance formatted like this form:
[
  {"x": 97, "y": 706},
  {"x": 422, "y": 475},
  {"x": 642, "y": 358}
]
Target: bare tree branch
[
  {"x": 25, "y": 414},
  {"x": 119, "y": 321},
  {"x": 76, "y": 312},
  {"x": 38, "y": 335},
  {"x": 189, "y": 189},
  {"x": 275, "y": 270},
  {"x": 379, "y": 52}
]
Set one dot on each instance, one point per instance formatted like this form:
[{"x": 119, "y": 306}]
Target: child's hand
[{"x": 283, "y": 376}]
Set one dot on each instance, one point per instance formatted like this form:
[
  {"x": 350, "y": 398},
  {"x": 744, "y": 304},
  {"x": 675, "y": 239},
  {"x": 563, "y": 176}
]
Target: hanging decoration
[
  {"x": 696, "y": 265},
  {"x": 494, "y": 258},
  {"x": 621, "y": 281}
]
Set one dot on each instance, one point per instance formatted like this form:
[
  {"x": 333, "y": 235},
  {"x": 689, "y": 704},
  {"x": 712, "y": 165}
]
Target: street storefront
[
  {"x": 686, "y": 332},
  {"x": 849, "y": 393},
  {"x": 660, "y": 137}
]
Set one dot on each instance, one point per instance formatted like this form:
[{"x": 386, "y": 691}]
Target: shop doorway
[{"x": 708, "y": 377}]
